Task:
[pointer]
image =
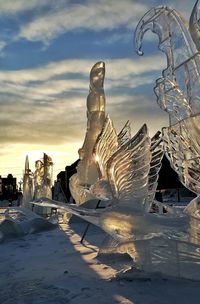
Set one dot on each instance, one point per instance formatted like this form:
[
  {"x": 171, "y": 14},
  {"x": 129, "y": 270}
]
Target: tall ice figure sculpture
[{"x": 87, "y": 170}]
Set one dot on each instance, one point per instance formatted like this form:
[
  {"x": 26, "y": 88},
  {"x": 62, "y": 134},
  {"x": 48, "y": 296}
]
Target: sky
[{"x": 47, "y": 49}]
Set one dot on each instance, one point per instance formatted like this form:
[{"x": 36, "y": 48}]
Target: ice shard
[{"x": 27, "y": 184}]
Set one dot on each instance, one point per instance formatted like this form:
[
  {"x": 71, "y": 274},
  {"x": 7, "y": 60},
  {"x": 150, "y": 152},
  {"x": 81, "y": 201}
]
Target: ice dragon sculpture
[
  {"x": 178, "y": 89},
  {"x": 87, "y": 172}
]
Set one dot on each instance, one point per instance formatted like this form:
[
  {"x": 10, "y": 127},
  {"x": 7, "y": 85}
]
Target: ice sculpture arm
[{"x": 128, "y": 168}]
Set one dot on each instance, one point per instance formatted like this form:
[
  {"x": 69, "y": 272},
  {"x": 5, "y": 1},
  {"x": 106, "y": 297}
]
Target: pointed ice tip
[
  {"x": 139, "y": 52},
  {"x": 145, "y": 128}
]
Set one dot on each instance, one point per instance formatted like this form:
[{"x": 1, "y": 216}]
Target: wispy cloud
[
  {"x": 90, "y": 15},
  {"x": 37, "y": 99},
  {"x": 17, "y": 6},
  {"x": 115, "y": 68}
]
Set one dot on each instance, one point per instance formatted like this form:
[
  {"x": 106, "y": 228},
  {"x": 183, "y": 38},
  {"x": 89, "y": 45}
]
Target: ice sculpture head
[{"x": 97, "y": 75}]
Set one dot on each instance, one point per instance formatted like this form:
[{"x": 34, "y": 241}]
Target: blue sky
[{"x": 47, "y": 48}]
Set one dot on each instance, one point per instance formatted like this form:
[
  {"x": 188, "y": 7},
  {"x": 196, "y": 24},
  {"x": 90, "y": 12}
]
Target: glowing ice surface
[{"x": 87, "y": 171}]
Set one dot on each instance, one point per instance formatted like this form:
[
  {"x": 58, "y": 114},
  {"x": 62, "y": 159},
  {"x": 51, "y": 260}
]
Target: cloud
[
  {"x": 139, "y": 109},
  {"x": 98, "y": 15},
  {"x": 17, "y": 6},
  {"x": 44, "y": 108},
  {"x": 115, "y": 69}
]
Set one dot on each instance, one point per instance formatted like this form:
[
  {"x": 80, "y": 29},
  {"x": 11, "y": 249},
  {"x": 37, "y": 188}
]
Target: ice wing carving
[
  {"x": 106, "y": 145},
  {"x": 125, "y": 134},
  {"x": 157, "y": 152},
  {"x": 194, "y": 24},
  {"x": 128, "y": 168}
]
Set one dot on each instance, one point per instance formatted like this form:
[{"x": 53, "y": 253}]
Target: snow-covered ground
[{"x": 52, "y": 267}]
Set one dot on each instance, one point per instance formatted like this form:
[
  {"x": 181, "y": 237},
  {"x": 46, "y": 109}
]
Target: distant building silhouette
[
  {"x": 61, "y": 190},
  {"x": 8, "y": 188}
]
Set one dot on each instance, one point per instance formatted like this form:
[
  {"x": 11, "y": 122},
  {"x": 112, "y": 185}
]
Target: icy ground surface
[{"x": 52, "y": 267}]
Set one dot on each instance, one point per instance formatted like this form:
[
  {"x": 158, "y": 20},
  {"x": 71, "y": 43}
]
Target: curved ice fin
[
  {"x": 194, "y": 24},
  {"x": 173, "y": 34}
]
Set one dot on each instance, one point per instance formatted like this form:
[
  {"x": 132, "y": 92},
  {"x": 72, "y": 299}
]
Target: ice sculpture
[
  {"x": 87, "y": 171},
  {"x": 43, "y": 177},
  {"x": 168, "y": 243},
  {"x": 178, "y": 89},
  {"x": 108, "y": 153},
  {"x": 183, "y": 59},
  {"x": 27, "y": 185},
  {"x": 115, "y": 159}
]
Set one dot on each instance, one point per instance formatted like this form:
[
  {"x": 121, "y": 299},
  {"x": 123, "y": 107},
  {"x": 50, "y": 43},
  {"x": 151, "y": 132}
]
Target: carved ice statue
[
  {"x": 178, "y": 90},
  {"x": 116, "y": 162},
  {"x": 87, "y": 171},
  {"x": 43, "y": 178},
  {"x": 27, "y": 185},
  {"x": 166, "y": 243}
]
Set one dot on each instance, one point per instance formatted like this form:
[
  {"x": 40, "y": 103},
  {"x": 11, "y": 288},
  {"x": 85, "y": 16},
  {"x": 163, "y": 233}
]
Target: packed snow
[{"x": 54, "y": 267}]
